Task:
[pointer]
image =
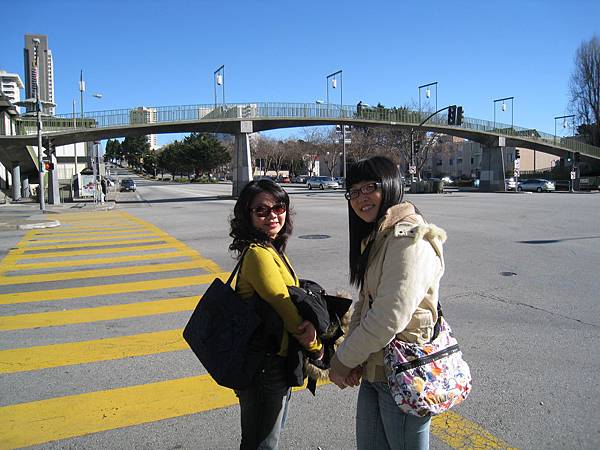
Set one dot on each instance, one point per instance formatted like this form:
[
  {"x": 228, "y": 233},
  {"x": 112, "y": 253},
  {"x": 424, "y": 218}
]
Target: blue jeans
[
  {"x": 380, "y": 424},
  {"x": 264, "y": 406}
]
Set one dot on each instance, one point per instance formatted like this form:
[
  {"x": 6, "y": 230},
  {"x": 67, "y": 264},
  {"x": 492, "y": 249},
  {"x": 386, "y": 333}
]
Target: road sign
[
  {"x": 517, "y": 172},
  {"x": 517, "y": 163},
  {"x": 573, "y": 175},
  {"x": 412, "y": 170}
]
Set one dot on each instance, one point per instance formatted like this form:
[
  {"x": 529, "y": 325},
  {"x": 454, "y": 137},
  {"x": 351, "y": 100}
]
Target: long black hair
[
  {"x": 244, "y": 232},
  {"x": 382, "y": 170}
]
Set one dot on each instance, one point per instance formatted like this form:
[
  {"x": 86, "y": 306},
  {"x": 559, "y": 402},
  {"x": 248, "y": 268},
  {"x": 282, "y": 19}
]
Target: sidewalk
[{"x": 26, "y": 215}]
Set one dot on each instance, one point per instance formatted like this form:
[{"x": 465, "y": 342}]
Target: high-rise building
[
  {"x": 11, "y": 85},
  {"x": 141, "y": 115},
  {"x": 44, "y": 70}
]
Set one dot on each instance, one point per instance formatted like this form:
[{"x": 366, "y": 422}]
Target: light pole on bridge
[
  {"x": 503, "y": 108},
  {"x": 333, "y": 78},
  {"x": 219, "y": 80},
  {"x": 428, "y": 93}
]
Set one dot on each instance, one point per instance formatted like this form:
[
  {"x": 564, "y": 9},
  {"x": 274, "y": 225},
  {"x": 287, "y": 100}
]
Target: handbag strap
[{"x": 237, "y": 267}]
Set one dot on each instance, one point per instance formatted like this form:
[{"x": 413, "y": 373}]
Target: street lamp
[
  {"x": 503, "y": 107},
  {"x": 219, "y": 80},
  {"x": 428, "y": 93},
  {"x": 564, "y": 125},
  {"x": 333, "y": 78}
]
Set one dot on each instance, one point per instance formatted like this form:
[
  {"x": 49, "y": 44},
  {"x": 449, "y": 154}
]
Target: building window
[{"x": 459, "y": 161}]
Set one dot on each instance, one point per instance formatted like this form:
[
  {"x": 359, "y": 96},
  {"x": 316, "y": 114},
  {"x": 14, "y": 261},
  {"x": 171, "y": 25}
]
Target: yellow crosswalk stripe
[
  {"x": 57, "y": 355},
  {"x": 459, "y": 432},
  {"x": 77, "y": 415},
  {"x": 33, "y": 243},
  {"x": 98, "y": 273},
  {"x": 110, "y": 259},
  {"x": 108, "y": 289},
  {"x": 25, "y": 248},
  {"x": 100, "y": 251},
  {"x": 97, "y": 314}
]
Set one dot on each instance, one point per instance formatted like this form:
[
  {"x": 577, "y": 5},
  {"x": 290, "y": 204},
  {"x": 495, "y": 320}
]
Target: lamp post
[
  {"x": 565, "y": 124},
  {"x": 428, "y": 93},
  {"x": 503, "y": 107},
  {"x": 333, "y": 78},
  {"x": 219, "y": 79}
]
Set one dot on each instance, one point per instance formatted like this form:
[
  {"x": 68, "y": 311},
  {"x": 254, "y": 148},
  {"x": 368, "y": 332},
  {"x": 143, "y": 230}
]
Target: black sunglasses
[
  {"x": 365, "y": 189},
  {"x": 265, "y": 211}
]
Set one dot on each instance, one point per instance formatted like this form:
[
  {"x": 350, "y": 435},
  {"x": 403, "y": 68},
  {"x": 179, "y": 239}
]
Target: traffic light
[
  {"x": 417, "y": 146},
  {"x": 517, "y": 153},
  {"x": 48, "y": 165},
  {"x": 452, "y": 115},
  {"x": 459, "y": 115}
]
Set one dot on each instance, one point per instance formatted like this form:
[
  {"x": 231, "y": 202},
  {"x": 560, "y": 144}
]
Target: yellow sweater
[{"x": 264, "y": 272}]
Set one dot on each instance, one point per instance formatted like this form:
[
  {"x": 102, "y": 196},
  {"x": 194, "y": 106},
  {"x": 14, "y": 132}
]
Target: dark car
[{"x": 127, "y": 185}]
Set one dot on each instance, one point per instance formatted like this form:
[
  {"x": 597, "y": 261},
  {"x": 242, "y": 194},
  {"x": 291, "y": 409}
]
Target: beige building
[{"x": 142, "y": 115}]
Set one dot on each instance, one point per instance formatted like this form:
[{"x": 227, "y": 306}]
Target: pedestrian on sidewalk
[
  {"x": 260, "y": 228},
  {"x": 104, "y": 189},
  {"x": 396, "y": 261}
]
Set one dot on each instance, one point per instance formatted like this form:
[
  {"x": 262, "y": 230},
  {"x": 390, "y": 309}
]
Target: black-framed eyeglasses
[
  {"x": 265, "y": 211},
  {"x": 364, "y": 189}
]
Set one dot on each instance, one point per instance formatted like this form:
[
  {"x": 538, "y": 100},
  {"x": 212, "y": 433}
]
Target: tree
[
  {"x": 134, "y": 149},
  {"x": 203, "y": 153},
  {"x": 585, "y": 90}
]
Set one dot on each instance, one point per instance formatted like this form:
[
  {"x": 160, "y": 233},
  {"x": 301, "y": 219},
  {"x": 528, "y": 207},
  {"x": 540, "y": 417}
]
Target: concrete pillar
[
  {"x": 492, "y": 169},
  {"x": 16, "y": 181},
  {"x": 53, "y": 194},
  {"x": 242, "y": 167},
  {"x": 25, "y": 192}
]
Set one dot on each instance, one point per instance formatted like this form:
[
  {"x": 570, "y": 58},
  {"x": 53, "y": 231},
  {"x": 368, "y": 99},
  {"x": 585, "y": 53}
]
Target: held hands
[{"x": 352, "y": 379}]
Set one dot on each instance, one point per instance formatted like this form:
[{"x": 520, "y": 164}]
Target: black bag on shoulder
[{"x": 220, "y": 333}]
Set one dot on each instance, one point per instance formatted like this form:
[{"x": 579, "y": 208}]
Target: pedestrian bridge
[{"x": 243, "y": 118}]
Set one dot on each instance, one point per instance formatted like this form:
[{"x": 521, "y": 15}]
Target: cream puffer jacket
[{"x": 400, "y": 293}]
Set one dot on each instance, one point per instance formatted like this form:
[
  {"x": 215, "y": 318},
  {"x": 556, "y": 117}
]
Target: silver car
[
  {"x": 322, "y": 183},
  {"x": 536, "y": 185}
]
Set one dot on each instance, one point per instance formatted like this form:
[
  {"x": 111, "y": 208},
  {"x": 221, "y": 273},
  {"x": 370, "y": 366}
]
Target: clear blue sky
[{"x": 159, "y": 53}]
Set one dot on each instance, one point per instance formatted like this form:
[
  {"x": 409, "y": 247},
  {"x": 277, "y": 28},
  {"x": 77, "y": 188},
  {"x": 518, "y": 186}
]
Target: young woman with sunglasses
[
  {"x": 396, "y": 260},
  {"x": 260, "y": 228}
]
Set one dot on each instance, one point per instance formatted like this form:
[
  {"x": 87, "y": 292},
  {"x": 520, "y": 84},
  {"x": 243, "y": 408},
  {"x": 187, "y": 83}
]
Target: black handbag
[{"x": 220, "y": 333}]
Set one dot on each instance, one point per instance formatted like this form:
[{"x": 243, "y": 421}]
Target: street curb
[{"x": 38, "y": 225}]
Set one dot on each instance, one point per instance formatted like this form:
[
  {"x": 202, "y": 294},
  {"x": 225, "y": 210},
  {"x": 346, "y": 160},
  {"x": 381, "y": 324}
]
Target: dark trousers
[{"x": 264, "y": 406}]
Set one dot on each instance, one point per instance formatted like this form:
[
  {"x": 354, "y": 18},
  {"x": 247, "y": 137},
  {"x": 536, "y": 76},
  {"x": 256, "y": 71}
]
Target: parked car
[
  {"x": 127, "y": 185},
  {"x": 301, "y": 179},
  {"x": 322, "y": 183},
  {"x": 536, "y": 185},
  {"x": 341, "y": 181},
  {"x": 510, "y": 183}
]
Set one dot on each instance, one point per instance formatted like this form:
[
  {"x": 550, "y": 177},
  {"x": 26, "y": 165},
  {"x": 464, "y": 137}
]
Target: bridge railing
[{"x": 332, "y": 111}]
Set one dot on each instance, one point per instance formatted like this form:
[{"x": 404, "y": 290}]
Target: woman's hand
[
  {"x": 353, "y": 378},
  {"x": 337, "y": 379},
  {"x": 307, "y": 334}
]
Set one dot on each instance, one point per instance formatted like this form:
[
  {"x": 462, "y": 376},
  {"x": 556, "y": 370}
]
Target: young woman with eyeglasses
[
  {"x": 260, "y": 227},
  {"x": 396, "y": 261}
]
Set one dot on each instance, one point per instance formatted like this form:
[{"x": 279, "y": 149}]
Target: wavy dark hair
[
  {"x": 243, "y": 231},
  {"x": 379, "y": 169}
]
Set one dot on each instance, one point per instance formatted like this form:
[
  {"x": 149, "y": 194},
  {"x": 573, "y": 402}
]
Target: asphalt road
[{"x": 520, "y": 291}]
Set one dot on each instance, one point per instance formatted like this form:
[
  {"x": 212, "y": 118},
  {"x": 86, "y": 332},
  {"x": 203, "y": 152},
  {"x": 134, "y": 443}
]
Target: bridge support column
[
  {"x": 242, "y": 161},
  {"x": 16, "y": 181},
  {"x": 53, "y": 194},
  {"x": 492, "y": 169},
  {"x": 25, "y": 192}
]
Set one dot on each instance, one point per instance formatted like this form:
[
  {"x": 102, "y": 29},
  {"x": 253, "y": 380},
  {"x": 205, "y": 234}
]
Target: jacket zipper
[{"x": 426, "y": 359}]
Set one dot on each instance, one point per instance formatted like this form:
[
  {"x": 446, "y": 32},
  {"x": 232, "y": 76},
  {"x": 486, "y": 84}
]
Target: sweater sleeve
[
  {"x": 409, "y": 267},
  {"x": 263, "y": 274}
]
